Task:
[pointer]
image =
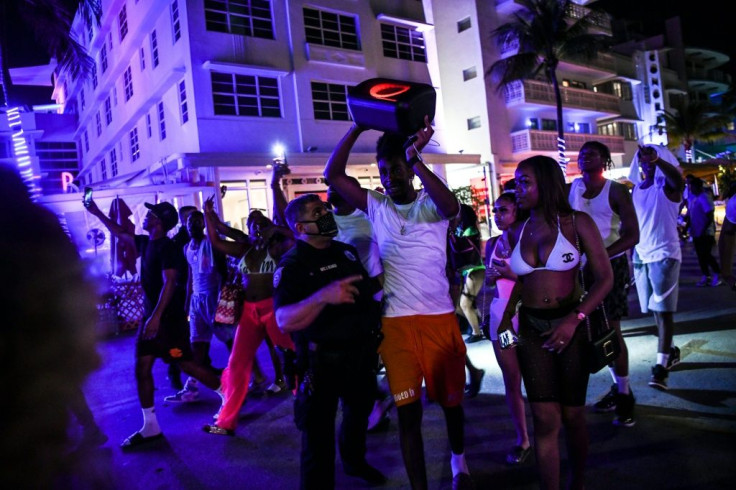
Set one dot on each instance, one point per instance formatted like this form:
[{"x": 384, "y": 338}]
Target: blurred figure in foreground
[{"x": 48, "y": 322}]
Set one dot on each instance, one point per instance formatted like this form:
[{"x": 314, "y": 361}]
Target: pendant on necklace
[{"x": 546, "y": 299}]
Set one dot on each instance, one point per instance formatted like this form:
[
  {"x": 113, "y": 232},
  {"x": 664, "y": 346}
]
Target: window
[
  {"x": 331, "y": 29},
  {"x": 175, "y": 22},
  {"x": 128, "y": 83},
  {"x": 330, "y": 101},
  {"x": 549, "y": 125},
  {"x": 154, "y": 48},
  {"x": 135, "y": 151},
  {"x": 86, "y": 141},
  {"x": 143, "y": 58},
  {"x": 98, "y": 123},
  {"x": 244, "y": 17},
  {"x": 463, "y": 25},
  {"x": 115, "y": 96},
  {"x": 161, "y": 121},
  {"x": 403, "y": 43},
  {"x": 470, "y": 73},
  {"x": 183, "y": 102},
  {"x": 113, "y": 162},
  {"x": 245, "y": 95},
  {"x": 123, "y": 23},
  {"x": 53, "y": 159},
  {"x": 103, "y": 169},
  {"x": 108, "y": 111},
  {"x": 109, "y": 40},
  {"x": 474, "y": 122},
  {"x": 81, "y": 98},
  {"x": 149, "y": 130},
  {"x": 79, "y": 146},
  {"x": 103, "y": 58},
  {"x": 94, "y": 76}
]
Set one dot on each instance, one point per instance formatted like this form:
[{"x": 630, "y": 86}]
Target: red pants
[{"x": 257, "y": 321}]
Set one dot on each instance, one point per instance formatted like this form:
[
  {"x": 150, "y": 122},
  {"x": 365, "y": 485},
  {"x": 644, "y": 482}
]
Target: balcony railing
[
  {"x": 533, "y": 91},
  {"x": 532, "y": 140},
  {"x": 708, "y": 75}
]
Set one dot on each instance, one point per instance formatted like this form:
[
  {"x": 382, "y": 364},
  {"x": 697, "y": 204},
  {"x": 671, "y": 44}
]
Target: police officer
[{"x": 324, "y": 298}]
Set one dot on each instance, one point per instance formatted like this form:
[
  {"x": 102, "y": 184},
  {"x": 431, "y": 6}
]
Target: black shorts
[
  {"x": 171, "y": 344},
  {"x": 548, "y": 376},
  {"x": 616, "y": 301}
]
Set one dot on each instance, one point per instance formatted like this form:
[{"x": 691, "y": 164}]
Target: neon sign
[
  {"x": 20, "y": 150},
  {"x": 385, "y": 91},
  {"x": 66, "y": 179}
]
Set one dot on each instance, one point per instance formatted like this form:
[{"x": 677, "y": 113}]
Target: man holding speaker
[{"x": 422, "y": 340}]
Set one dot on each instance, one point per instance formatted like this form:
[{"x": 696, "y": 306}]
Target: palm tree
[
  {"x": 545, "y": 33},
  {"x": 51, "y": 22},
  {"x": 692, "y": 122}
]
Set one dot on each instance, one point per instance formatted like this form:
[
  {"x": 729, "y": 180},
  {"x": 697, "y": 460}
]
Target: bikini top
[
  {"x": 563, "y": 257},
  {"x": 267, "y": 266}
]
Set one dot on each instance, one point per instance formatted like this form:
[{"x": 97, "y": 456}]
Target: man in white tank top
[
  {"x": 657, "y": 256},
  {"x": 609, "y": 204}
]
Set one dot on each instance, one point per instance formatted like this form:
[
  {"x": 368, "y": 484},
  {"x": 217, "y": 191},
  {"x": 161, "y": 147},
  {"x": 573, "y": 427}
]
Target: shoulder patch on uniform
[
  {"x": 277, "y": 277},
  {"x": 350, "y": 255}
]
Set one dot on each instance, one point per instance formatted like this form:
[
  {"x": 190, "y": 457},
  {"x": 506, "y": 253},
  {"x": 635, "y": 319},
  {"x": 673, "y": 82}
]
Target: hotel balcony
[
  {"x": 710, "y": 81},
  {"x": 528, "y": 142},
  {"x": 542, "y": 93}
]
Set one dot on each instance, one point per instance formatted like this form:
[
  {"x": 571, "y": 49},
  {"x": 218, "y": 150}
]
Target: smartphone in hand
[{"x": 87, "y": 196}]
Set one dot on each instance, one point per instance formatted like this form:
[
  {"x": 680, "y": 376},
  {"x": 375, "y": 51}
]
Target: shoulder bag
[{"x": 603, "y": 344}]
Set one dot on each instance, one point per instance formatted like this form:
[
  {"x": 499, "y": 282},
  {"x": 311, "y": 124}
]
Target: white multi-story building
[{"x": 193, "y": 93}]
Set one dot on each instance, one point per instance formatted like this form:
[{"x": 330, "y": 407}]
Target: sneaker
[
  {"x": 659, "y": 377},
  {"x": 717, "y": 281},
  {"x": 702, "y": 282},
  {"x": 608, "y": 402},
  {"x": 674, "y": 359},
  {"x": 473, "y": 338},
  {"x": 625, "y": 410},
  {"x": 184, "y": 396},
  {"x": 276, "y": 387},
  {"x": 476, "y": 379}
]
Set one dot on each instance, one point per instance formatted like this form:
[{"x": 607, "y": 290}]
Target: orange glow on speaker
[{"x": 385, "y": 91}]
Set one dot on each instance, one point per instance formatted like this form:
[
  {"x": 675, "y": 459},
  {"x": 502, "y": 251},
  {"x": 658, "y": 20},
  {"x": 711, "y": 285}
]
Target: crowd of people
[{"x": 375, "y": 282}]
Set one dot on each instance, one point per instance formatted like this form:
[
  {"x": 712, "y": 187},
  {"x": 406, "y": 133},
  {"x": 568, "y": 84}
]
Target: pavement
[{"x": 684, "y": 438}]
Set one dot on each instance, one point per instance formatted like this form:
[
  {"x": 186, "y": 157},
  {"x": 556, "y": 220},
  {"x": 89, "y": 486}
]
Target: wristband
[
  {"x": 414, "y": 160},
  {"x": 581, "y": 316}
]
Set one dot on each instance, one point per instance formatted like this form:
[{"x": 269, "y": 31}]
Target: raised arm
[
  {"x": 111, "y": 225},
  {"x": 335, "y": 171},
  {"x": 279, "y": 199},
  {"x": 675, "y": 182},
  {"x": 624, "y": 206},
  {"x": 440, "y": 194},
  {"x": 235, "y": 249}
]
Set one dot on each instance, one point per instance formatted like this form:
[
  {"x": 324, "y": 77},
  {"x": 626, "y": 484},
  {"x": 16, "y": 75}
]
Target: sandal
[
  {"x": 218, "y": 431},
  {"x": 138, "y": 439},
  {"x": 518, "y": 455}
]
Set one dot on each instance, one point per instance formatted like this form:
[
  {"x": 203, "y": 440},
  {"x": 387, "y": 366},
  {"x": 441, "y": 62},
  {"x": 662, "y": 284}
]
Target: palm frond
[{"x": 522, "y": 66}]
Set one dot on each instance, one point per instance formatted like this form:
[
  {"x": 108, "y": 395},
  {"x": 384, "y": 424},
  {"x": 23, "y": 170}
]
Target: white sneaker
[
  {"x": 703, "y": 282},
  {"x": 184, "y": 396},
  {"x": 716, "y": 281}
]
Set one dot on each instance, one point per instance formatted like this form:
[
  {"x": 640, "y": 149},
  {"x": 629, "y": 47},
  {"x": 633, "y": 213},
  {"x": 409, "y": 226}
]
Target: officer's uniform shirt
[{"x": 304, "y": 270}]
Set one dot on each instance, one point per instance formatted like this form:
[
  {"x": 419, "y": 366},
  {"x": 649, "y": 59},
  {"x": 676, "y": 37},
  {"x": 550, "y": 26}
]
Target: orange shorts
[{"x": 427, "y": 347}]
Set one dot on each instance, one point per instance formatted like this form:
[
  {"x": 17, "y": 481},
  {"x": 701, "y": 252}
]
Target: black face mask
[{"x": 326, "y": 225}]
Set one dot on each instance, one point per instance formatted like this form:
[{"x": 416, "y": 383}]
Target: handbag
[
  {"x": 230, "y": 302},
  {"x": 603, "y": 344}
]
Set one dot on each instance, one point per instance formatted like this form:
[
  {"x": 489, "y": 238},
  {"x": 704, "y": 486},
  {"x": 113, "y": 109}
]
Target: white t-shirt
[
  {"x": 413, "y": 262},
  {"x": 356, "y": 230},
  {"x": 657, "y": 215}
]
